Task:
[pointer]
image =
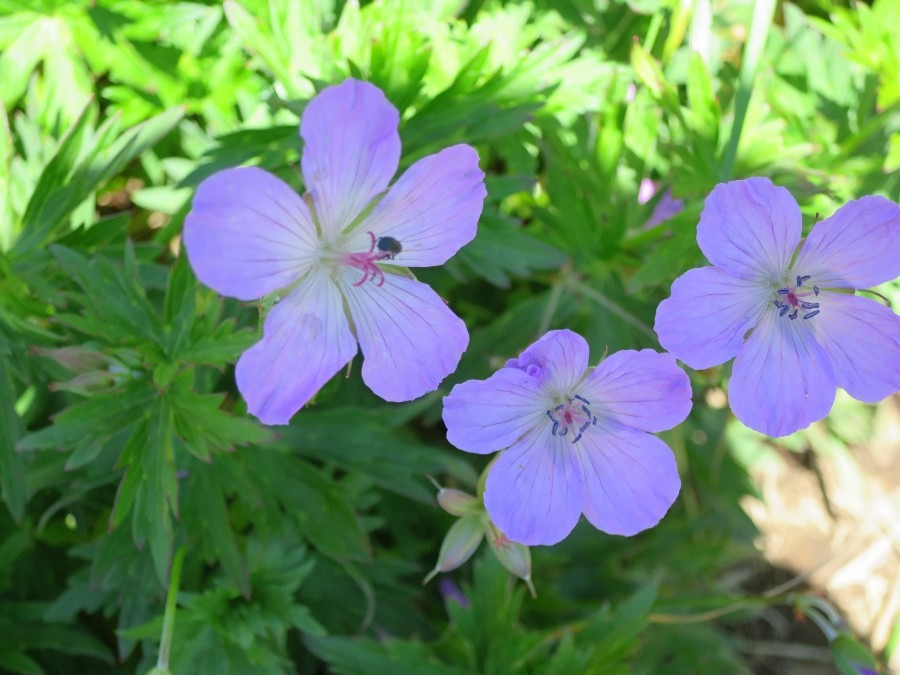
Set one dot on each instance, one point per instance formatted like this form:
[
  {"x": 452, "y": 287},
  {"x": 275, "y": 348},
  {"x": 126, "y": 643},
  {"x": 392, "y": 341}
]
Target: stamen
[
  {"x": 809, "y": 305},
  {"x": 784, "y": 310},
  {"x": 573, "y": 415},
  {"x": 800, "y": 279},
  {"x": 782, "y": 291},
  {"x": 811, "y": 314},
  {"x": 816, "y": 290},
  {"x": 777, "y": 304},
  {"x": 793, "y": 315}
]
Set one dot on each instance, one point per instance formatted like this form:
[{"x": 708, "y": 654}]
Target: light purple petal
[
  {"x": 489, "y": 415},
  {"x": 704, "y": 322},
  {"x": 306, "y": 340},
  {"x": 558, "y": 361},
  {"x": 432, "y": 210},
  {"x": 862, "y": 337},
  {"x": 351, "y": 150},
  {"x": 641, "y": 389},
  {"x": 782, "y": 381},
  {"x": 857, "y": 247},
  {"x": 534, "y": 491},
  {"x": 409, "y": 338},
  {"x": 248, "y": 233},
  {"x": 750, "y": 228},
  {"x": 630, "y": 479}
]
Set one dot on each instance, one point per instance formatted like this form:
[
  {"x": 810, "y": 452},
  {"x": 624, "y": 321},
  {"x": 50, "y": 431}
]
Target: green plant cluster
[{"x": 150, "y": 522}]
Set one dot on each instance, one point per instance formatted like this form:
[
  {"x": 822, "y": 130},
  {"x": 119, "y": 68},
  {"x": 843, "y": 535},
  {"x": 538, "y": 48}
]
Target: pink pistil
[
  {"x": 366, "y": 263},
  {"x": 572, "y": 417},
  {"x": 792, "y": 299}
]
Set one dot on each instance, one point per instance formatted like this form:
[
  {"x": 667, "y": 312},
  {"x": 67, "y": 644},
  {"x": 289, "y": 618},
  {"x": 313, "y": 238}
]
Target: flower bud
[
  {"x": 460, "y": 543},
  {"x": 458, "y": 503},
  {"x": 515, "y": 557}
]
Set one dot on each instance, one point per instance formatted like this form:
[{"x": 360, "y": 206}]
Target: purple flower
[
  {"x": 789, "y": 317},
  {"x": 574, "y": 441},
  {"x": 665, "y": 208},
  {"x": 336, "y": 258}
]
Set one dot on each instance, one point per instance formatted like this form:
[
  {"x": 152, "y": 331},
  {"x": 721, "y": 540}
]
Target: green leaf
[
  {"x": 12, "y": 466},
  {"x": 316, "y": 503},
  {"x": 206, "y": 514},
  {"x": 114, "y": 296},
  {"x": 179, "y": 306},
  {"x": 849, "y": 655},
  {"x": 613, "y": 634},
  {"x": 75, "y": 172},
  {"x": 95, "y": 419},
  {"x": 360, "y": 439},
  {"x": 156, "y": 498},
  {"x": 502, "y": 249}
]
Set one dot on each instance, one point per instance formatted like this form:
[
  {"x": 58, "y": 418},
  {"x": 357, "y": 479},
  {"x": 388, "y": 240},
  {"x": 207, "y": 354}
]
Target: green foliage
[{"x": 123, "y": 437}]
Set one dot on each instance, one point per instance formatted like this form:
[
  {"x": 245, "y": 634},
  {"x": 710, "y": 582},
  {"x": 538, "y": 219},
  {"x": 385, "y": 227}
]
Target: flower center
[
  {"x": 381, "y": 248},
  {"x": 572, "y": 418},
  {"x": 790, "y": 301}
]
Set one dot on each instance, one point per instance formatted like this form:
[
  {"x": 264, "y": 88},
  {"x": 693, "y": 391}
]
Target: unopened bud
[
  {"x": 460, "y": 543},
  {"x": 515, "y": 557},
  {"x": 457, "y": 503}
]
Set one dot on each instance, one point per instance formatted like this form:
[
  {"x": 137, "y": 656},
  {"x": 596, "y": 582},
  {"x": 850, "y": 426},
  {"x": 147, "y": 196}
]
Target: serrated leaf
[
  {"x": 156, "y": 498},
  {"x": 223, "y": 346},
  {"x": 361, "y": 439},
  {"x": 206, "y": 513},
  {"x": 200, "y": 416},
  {"x": 99, "y": 417},
  {"x": 501, "y": 249},
  {"x": 316, "y": 503},
  {"x": 113, "y": 295}
]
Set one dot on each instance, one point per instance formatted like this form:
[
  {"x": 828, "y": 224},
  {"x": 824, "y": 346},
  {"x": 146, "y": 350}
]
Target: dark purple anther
[
  {"x": 809, "y": 305},
  {"x": 782, "y": 291},
  {"x": 800, "y": 279},
  {"x": 784, "y": 310},
  {"x": 816, "y": 290},
  {"x": 582, "y": 399},
  {"x": 793, "y": 315},
  {"x": 811, "y": 314}
]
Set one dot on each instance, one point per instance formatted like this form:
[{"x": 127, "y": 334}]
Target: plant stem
[{"x": 165, "y": 645}]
